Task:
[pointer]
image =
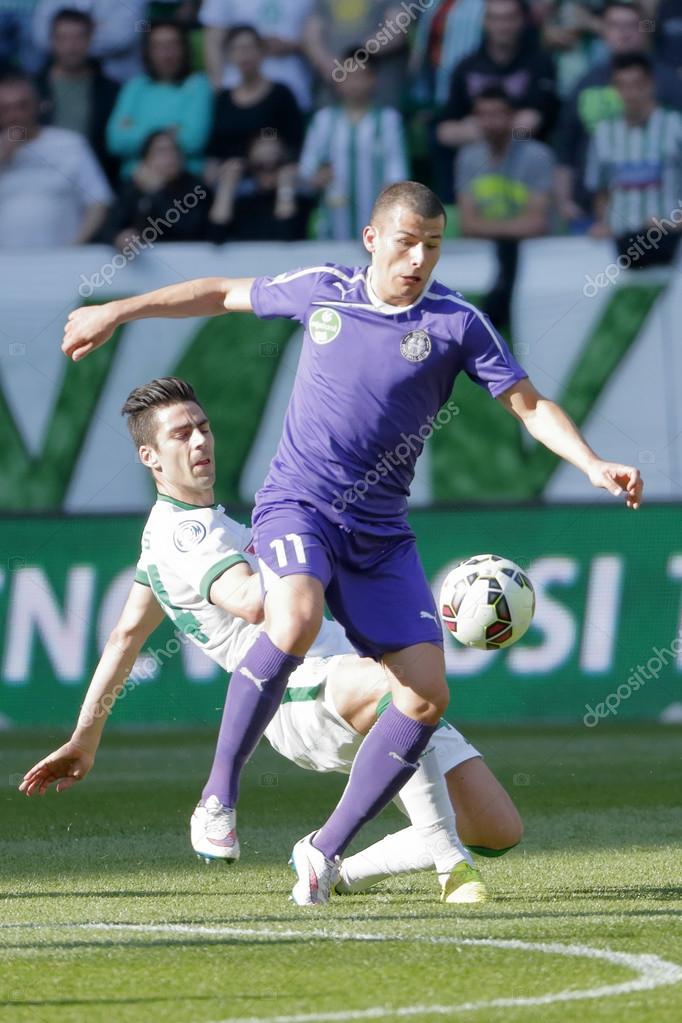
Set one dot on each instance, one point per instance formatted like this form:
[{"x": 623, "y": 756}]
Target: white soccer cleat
[
  {"x": 213, "y": 831},
  {"x": 316, "y": 874}
]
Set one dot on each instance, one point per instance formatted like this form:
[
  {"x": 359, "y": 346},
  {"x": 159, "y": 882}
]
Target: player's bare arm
[
  {"x": 238, "y": 591},
  {"x": 73, "y": 761},
  {"x": 89, "y": 327},
  {"x": 548, "y": 423}
]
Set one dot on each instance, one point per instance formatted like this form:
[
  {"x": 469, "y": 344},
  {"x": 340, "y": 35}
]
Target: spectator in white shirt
[{"x": 52, "y": 190}]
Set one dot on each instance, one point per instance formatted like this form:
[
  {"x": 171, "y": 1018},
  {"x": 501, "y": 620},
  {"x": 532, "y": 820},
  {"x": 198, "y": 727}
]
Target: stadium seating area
[{"x": 283, "y": 120}]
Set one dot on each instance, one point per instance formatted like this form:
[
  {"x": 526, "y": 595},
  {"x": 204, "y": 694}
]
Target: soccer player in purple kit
[{"x": 382, "y": 348}]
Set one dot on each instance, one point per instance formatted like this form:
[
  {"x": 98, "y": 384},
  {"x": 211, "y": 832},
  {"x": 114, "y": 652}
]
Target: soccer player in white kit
[{"x": 196, "y": 568}]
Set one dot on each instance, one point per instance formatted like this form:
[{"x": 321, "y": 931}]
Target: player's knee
[
  {"x": 428, "y": 711},
  {"x": 295, "y": 630},
  {"x": 505, "y": 833}
]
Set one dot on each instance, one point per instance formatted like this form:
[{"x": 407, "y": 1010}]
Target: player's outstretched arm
[
  {"x": 90, "y": 327},
  {"x": 548, "y": 423},
  {"x": 72, "y": 761}
]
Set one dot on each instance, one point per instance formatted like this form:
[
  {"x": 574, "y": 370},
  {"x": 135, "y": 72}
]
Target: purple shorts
[{"x": 375, "y": 585}]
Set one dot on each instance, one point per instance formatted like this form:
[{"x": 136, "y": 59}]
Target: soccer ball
[{"x": 487, "y": 602}]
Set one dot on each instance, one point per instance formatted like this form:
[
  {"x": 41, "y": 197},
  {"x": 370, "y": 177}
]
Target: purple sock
[
  {"x": 387, "y": 758},
  {"x": 254, "y": 694}
]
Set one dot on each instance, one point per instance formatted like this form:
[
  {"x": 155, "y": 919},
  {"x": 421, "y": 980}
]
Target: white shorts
[{"x": 308, "y": 730}]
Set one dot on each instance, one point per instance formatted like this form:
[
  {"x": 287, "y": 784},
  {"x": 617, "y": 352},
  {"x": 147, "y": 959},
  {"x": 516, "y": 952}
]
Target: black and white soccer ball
[{"x": 487, "y": 602}]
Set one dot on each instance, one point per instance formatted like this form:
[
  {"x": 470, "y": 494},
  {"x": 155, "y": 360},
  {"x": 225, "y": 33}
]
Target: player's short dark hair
[
  {"x": 626, "y": 61},
  {"x": 142, "y": 404},
  {"x": 413, "y": 196},
  {"x": 73, "y": 15},
  {"x": 238, "y": 30},
  {"x": 493, "y": 92}
]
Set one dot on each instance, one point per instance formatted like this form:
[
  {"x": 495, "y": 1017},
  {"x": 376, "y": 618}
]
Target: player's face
[
  {"x": 182, "y": 456},
  {"x": 405, "y": 248}
]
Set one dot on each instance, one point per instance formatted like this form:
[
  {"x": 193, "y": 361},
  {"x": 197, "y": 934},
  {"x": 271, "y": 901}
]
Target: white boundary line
[{"x": 651, "y": 971}]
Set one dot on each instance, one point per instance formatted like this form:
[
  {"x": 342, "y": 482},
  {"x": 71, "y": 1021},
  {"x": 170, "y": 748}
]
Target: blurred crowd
[{"x": 282, "y": 119}]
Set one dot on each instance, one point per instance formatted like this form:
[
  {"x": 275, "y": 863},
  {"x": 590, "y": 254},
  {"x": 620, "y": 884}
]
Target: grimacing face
[
  {"x": 405, "y": 248},
  {"x": 182, "y": 456}
]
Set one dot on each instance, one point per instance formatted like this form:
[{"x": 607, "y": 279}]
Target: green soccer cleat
[{"x": 464, "y": 885}]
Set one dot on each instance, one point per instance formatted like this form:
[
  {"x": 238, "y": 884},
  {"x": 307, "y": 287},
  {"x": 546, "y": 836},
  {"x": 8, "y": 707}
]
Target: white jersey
[{"x": 185, "y": 548}]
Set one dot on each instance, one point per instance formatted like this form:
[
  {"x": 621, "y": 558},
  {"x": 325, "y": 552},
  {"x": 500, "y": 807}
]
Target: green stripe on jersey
[
  {"x": 300, "y": 694},
  {"x": 183, "y": 504},
  {"x": 216, "y": 570},
  {"x": 142, "y": 577}
]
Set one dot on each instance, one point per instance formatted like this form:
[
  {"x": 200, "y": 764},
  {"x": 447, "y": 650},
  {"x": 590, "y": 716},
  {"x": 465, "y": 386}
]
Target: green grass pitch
[{"x": 106, "y": 915}]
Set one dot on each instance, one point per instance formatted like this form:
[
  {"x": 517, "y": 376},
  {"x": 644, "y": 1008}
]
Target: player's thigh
[
  {"x": 484, "y": 810},
  {"x": 418, "y": 684},
  {"x": 294, "y": 606},
  {"x": 295, "y": 558}
]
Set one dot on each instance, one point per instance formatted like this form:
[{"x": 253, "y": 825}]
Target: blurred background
[{"x": 146, "y": 143}]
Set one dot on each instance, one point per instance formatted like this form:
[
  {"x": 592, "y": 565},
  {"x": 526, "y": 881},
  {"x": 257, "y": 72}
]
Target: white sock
[
  {"x": 426, "y": 801},
  {"x": 431, "y": 841}
]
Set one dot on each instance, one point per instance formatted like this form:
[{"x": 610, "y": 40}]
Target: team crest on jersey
[
  {"x": 188, "y": 534},
  {"x": 324, "y": 325},
  {"x": 415, "y": 346}
]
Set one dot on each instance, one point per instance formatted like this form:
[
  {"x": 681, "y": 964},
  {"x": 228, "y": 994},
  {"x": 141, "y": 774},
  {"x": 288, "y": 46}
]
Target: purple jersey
[{"x": 370, "y": 383}]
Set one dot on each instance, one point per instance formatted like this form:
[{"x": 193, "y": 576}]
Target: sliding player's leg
[
  {"x": 487, "y": 821},
  {"x": 295, "y": 567}
]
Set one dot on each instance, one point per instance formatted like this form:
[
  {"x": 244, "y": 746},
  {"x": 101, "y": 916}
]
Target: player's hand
[
  {"x": 86, "y": 329},
  {"x": 67, "y": 765},
  {"x": 618, "y": 479}
]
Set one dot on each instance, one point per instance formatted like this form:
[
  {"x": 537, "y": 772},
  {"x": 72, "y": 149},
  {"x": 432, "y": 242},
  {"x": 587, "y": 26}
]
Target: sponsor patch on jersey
[
  {"x": 324, "y": 325},
  {"x": 188, "y": 534},
  {"x": 415, "y": 346}
]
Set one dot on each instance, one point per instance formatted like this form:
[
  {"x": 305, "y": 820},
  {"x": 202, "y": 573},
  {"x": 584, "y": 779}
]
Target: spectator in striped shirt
[
  {"x": 351, "y": 151},
  {"x": 634, "y": 169},
  {"x": 594, "y": 99}
]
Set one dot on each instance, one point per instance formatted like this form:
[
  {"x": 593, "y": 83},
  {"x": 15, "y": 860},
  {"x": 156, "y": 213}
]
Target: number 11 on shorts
[{"x": 280, "y": 549}]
